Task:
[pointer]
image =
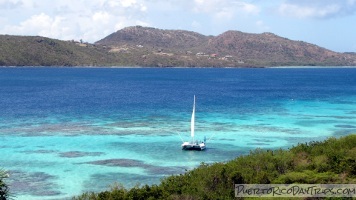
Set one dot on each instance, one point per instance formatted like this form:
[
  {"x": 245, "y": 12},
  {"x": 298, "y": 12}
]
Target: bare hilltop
[{"x": 151, "y": 47}]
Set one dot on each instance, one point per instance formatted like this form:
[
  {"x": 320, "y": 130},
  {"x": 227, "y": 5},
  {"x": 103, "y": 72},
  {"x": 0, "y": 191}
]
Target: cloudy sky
[{"x": 327, "y": 23}]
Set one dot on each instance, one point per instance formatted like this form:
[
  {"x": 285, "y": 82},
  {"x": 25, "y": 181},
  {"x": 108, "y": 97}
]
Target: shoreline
[{"x": 155, "y": 67}]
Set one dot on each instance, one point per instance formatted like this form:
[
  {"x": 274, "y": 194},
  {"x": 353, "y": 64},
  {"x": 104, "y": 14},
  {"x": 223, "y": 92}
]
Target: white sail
[
  {"x": 193, "y": 145},
  {"x": 192, "y": 122}
]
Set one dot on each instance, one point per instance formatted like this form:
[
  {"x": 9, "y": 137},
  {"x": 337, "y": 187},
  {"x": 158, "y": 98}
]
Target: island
[{"x": 139, "y": 46}]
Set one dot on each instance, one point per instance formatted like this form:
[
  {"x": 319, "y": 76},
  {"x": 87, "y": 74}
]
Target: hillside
[
  {"x": 232, "y": 48},
  {"x": 329, "y": 162},
  {"x": 142, "y": 46},
  {"x": 41, "y": 51},
  {"x": 152, "y": 37}
]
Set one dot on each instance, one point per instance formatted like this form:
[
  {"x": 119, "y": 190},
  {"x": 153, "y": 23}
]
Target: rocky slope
[
  {"x": 232, "y": 48},
  {"x": 143, "y": 46},
  {"x": 41, "y": 51}
]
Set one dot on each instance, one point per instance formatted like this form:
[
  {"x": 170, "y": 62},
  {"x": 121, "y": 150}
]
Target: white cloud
[
  {"x": 102, "y": 17},
  {"x": 262, "y": 26},
  {"x": 128, "y": 3},
  {"x": 225, "y": 9},
  {"x": 95, "y": 19},
  {"x": 3, "y": 20},
  {"x": 10, "y": 4},
  {"x": 307, "y": 11},
  {"x": 43, "y": 25},
  {"x": 196, "y": 25},
  {"x": 68, "y": 19},
  {"x": 34, "y": 23},
  {"x": 317, "y": 8}
]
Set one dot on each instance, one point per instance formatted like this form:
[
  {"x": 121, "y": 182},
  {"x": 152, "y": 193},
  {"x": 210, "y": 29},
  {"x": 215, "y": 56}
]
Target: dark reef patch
[
  {"x": 313, "y": 123},
  {"x": 263, "y": 140},
  {"x": 33, "y": 183},
  {"x": 344, "y": 126},
  {"x": 103, "y": 181},
  {"x": 258, "y": 143},
  {"x": 118, "y": 163},
  {"x": 156, "y": 170},
  {"x": 276, "y": 129},
  {"x": 41, "y": 151},
  {"x": 151, "y": 169},
  {"x": 227, "y": 139},
  {"x": 76, "y": 154}
]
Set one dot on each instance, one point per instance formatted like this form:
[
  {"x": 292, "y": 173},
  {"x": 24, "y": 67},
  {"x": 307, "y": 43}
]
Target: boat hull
[{"x": 193, "y": 147}]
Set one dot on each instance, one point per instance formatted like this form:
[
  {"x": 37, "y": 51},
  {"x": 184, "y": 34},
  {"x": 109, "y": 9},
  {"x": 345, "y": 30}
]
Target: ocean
[{"x": 65, "y": 131}]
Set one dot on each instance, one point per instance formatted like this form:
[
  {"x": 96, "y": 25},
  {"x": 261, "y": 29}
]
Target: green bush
[
  {"x": 4, "y": 189},
  {"x": 331, "y": 161}
]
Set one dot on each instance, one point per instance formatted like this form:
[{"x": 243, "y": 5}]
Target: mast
[{"x": 192, "y": 122}]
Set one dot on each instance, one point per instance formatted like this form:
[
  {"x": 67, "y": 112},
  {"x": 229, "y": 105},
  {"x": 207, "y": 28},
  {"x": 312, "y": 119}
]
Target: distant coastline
[
  {"x": 149, "y": 47},
  {"x": 155, "y": 67}
]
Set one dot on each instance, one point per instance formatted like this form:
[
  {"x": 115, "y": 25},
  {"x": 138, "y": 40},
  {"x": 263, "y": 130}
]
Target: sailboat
[{"x": 193, "y": 144}]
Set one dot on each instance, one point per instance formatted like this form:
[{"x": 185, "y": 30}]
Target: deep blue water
[
  {"x": 40, "y": 92},
  {"x": 55, "y": 122}
]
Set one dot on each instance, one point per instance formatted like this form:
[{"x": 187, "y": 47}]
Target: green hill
[
  {"x": 330, "y": 161},
  {"x": 231, "y": 48},
  {"x": 144, "y": 46},
  {"x": 41, "y": 51}
]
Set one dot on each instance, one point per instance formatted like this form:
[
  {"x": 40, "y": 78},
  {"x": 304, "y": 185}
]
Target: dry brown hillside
[{"x": 144, "y": 46}]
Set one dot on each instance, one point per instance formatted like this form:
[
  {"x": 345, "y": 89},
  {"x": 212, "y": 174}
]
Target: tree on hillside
[{"x": 4, "y": 189}]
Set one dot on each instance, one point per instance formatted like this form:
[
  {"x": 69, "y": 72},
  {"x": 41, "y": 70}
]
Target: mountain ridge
[
  {"x": 239, "y": 48},
  {"x": 152, "y": 47}
]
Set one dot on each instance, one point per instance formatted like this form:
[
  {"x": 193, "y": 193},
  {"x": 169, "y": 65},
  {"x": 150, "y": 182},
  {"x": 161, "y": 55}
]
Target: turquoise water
[{"x": 65, "y": 131}]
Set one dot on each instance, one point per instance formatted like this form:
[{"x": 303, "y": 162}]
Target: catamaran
[{"x": 193, "y": 144}]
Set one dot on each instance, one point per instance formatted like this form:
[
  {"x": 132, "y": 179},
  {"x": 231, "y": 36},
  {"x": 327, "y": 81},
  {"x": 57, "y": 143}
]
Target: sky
[{"x": 327, "y": 23}]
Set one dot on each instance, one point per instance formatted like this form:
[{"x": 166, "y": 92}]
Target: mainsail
[
  {"x": 193, "y": 145},
  {"x": 192, "y": 122}
]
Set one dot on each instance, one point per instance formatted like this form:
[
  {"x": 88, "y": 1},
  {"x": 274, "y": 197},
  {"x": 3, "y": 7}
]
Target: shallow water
[{"x": 64, "y": 131}]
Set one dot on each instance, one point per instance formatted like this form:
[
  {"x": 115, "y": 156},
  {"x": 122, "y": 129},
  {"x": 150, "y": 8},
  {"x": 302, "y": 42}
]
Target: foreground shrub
[
  {"x": 4, "y": 189},
  {"x": 331, "y": 161}
]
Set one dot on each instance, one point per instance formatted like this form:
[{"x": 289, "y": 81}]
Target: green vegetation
[
  {"x": 4, "y": 189},
  {"x": 143, "y": 46},
  {"x": 41, "y": 51},
  {"x": 330, "y": 161}
]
